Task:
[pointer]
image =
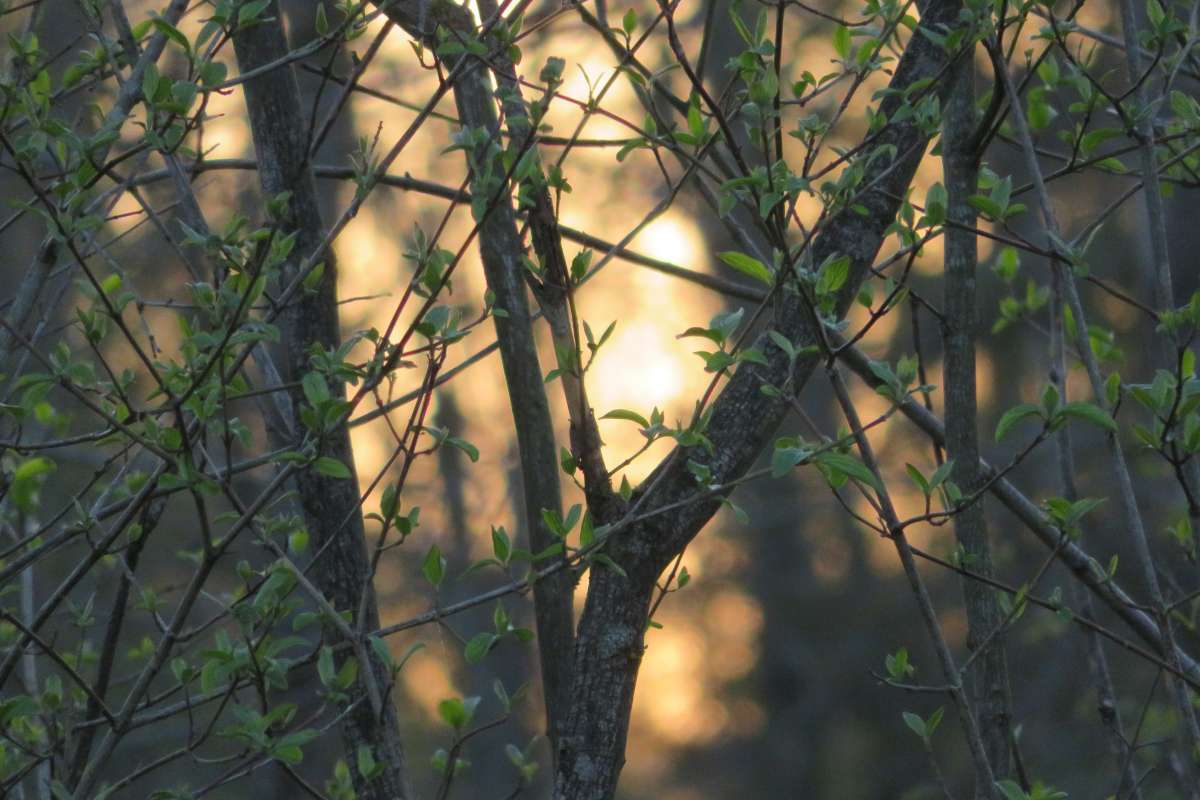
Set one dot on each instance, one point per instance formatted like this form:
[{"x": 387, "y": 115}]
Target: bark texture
[
  {"x": 501, "y": 250},
  {"x": 989, "y": 689},
  {"x": 330, "y": 506}
]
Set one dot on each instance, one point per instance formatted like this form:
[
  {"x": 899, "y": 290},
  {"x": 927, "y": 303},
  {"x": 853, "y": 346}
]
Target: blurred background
[{"x": 761, "y": 681}]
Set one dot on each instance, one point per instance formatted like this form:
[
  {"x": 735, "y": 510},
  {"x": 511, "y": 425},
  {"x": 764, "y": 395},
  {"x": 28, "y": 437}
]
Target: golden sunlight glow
[
  {"x": 368, "y": 260},
  {"x": 227, "y": 128},
  {"x": 428, "y": 682},
  {"x": 985, "y": 381},
  {"x": 682, "y": 710},
  {"x": 909, "y": 502},
  {"x": 599, "y": 126},
  {"x": 882, "y": 331},
  {"x": 870, "y": 406},
  {"x": 734, "y": 620},
  {"x": 644, "y": 365},
  {"x": 373, "y": 445},
  {"x": 669, "y": 238},
  {"x": 641, "y": 368}
]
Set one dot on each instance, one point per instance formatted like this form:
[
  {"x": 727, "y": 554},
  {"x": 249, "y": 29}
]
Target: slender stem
[{"x": 990, "y": 694}]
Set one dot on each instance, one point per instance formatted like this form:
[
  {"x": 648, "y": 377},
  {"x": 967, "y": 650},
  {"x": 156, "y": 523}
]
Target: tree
[{"x": 195, "y": 556}]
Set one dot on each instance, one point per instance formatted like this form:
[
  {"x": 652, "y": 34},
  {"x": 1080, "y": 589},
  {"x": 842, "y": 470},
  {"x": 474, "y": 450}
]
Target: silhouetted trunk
[
  {"x": 989, "y": 688},
  {"x": 330, "y": 505}
]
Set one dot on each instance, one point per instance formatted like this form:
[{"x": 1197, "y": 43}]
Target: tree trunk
[
  {"x": 990, "y": 697},
  {"x": 330, "y": 506}
]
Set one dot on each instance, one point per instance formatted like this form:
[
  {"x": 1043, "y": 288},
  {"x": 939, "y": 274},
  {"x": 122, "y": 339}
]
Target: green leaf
[
  {"x": 833, "y": 275},
  {"x": 288, "y": 753},
  {"x": 1112, "y": 388},
  {"x": 1014, "y": 416},
  {"x": 312, "y": 280},
  {"x": 462, "y": 444},
  {"x": 331, "y": 467},
  {"x": 936, "y": 200},
  {"x": 695, "y": 121},
  {"x": 587, "y": 531},
  {"x": 741, "y": 28},
  {"x": 918, "y": 479},
  {"x": 27, "y": 480},
  {"x": 606, "y": 560},
  {"x": 389, "y": 502},
  {"x": 934, "y": 720},
  {"x": 479, "y": 646},
  {"x": 748, "y": 265},
  {"x": 573, "y": 514},
  {"x": 249, "y": 13},
  {"x": 1040, "y": 114},
  {"x": 172, "y": 33},
  {"x": 579, "y": 265},
  {"x": 1050, "y": 399},
  {"x": 1090, "y": 413},
  {"x": 626, "y": 414},
  {"x": 626, "y": 489},
  {"x": 915, "y": 723},
  {"x": 848, "y": 466},
  {"x": 1154, "y": 11},
  {"x": 304, "y": 619},
  {"x": 434, "y": 566},
  {"x": 715, "y": 362},
  {"x": 501, "y": 545},
  {"x": 841, "y": 41},
  {"x": 298, "y": 542},
  {"x": 367, "y": 766},
  {"x": 316, "y": 390},
  {"x": 941, "y": 474},
  {"x": 553, "y": 522},
  {"x": 213, "y": 73},
  {"x": 458, "y": 713},
  {"x": 783, "y": 459},
  {"x": 1011, "y": 790},
  {"x": 566, "y": 460},
  {"x": 897, "y": 665},
  {"x": 347, "y": 674},
  {"x": 149, "y": 82},
  {"x": 325, "y": 668},
  {"x": 1048, "y": 71}
]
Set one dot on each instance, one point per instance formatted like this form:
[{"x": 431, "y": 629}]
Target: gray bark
[
  {"x": 501, "y": 250},
  {"x": 990, "y": 696},
  {"x": 330, "y": 506}
]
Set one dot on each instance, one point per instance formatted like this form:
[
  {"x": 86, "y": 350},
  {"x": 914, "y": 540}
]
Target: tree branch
[
  {"x": 611, "y": 629},
  {"x": 502, "y": 253}
]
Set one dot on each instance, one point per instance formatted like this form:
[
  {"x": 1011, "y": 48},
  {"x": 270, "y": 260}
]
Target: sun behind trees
[{"x": 407, "y": 399}]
